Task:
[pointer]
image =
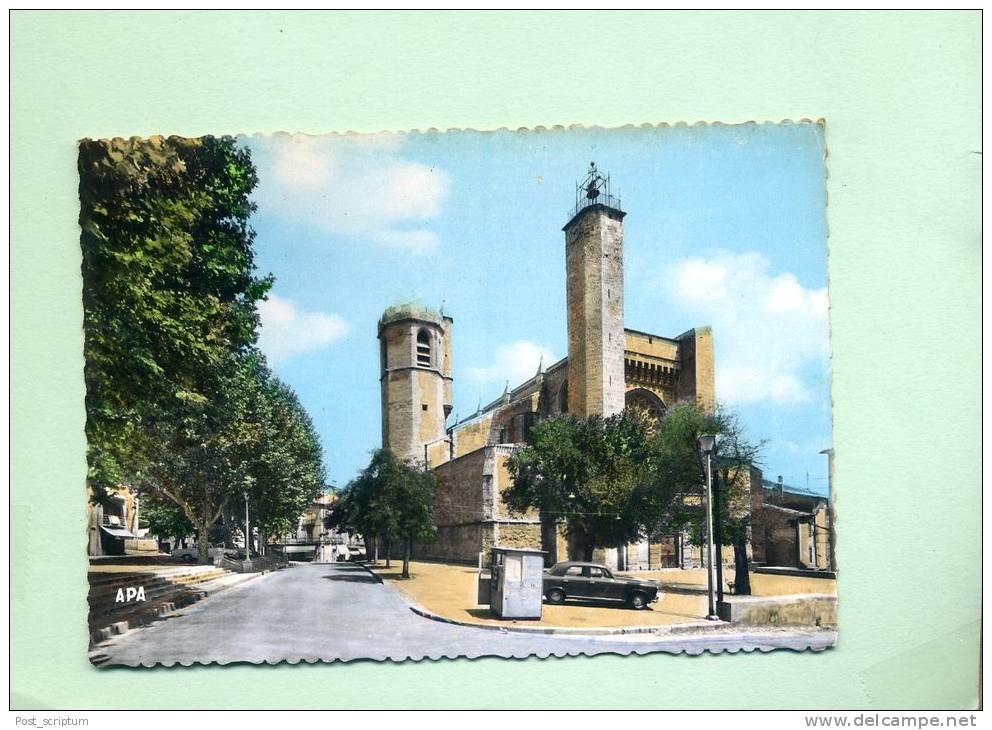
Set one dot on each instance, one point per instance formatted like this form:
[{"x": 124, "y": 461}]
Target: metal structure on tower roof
[{"x": 594, "y": 189}]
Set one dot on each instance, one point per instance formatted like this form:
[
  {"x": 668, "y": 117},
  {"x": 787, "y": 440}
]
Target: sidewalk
[
  {"x": 762, "y": 584},
  {"x": 450, "y": 591}
]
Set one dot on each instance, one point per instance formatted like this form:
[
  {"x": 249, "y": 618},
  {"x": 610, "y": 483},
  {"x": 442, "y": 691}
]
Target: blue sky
[{"x": 725, "y": 226}]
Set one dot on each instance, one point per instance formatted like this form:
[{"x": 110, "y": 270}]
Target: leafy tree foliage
[
  {"x": 286, "y": 468},
  {"x": 594, "y": 473},
  {"x": 389, "y": 500},
  {"x": 179, "y": 404},
  {"x": 622, "y": 479},
  {"x": 164, "y": 517},
  {"x": 681, "y": 469},
  {"x": 169, "y": 281}
]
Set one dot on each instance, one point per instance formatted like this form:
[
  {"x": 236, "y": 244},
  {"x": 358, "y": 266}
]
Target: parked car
[
  {"x": 192, "y": 554},
  {"x": 356, "y": 553},
  {"x": 595, "y": 582}
]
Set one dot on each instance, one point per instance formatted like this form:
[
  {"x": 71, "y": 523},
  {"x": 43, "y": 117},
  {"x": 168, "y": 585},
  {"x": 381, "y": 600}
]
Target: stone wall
[
  {"x": 808, "y": 610},
  {"x": 456, "y": 543},
  {"x": 519, "y": 535},
  {"x": 469, "y": 513},
  {"x": 472, "y": 435},
  {"x": 696, "y": 376},
  {"x": 459, "y": 498}
]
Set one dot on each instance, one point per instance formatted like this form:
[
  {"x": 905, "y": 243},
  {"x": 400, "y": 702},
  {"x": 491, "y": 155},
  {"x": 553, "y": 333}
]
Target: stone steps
[{"x": 166, "y": 591}]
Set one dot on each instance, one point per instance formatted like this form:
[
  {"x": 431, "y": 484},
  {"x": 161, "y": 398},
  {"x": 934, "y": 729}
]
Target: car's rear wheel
[
  {"x": 637, "y": 600},
  {"x": 187, "y": 558},
  {"x": 556, "y": 595}
]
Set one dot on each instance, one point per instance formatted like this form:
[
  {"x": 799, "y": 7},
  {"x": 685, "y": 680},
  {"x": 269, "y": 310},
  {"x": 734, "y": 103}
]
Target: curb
[
  {"x": 563, "y": 631},
  {"x": 566, "y": 631}
]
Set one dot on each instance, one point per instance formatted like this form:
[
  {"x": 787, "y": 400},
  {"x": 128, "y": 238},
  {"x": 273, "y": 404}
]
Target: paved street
[{"x": 316, "y": 612}]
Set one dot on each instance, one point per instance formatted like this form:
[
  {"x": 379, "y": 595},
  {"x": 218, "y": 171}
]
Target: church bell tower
[
  {"x": 594, "y": 298},
  {"x": 415, "y": 378}
]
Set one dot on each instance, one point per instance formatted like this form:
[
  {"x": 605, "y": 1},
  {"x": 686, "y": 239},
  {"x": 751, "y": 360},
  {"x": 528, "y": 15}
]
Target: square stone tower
[{"x": 594, "y": 298}]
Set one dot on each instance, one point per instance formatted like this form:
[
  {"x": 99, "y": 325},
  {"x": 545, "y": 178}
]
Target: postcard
[{"x": 552, "y": 391}]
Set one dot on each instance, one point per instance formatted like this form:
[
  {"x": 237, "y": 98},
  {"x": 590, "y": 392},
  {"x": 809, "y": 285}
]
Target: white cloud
[
  {"x": 418, "y": 242},
  {"x": 766, "y": 326},
  {"x": 287, "y": 331},
  {"x": 353, "y": 185},
  {"x": 515, "y": 362}
]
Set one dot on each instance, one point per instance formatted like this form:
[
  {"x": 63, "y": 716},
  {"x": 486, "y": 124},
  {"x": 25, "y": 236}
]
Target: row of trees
[
  {"x": 180, "y": 404},
  {"x": 607, "y": 481},
  {"x": 624, "y": 479},
  {"x": 390, "y": 501}
]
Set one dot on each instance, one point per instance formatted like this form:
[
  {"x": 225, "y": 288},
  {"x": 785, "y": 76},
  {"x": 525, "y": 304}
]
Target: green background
[{"x": 901, "y": 95}]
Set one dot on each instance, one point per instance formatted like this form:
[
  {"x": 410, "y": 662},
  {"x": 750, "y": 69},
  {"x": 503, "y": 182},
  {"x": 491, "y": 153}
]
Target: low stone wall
[
  {"x": 819, "y": 610},
  {"x": 456, "y": 543},
  {"x": 525, "y": 535}
]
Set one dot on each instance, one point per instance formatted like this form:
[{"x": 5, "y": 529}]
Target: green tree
[
  {"x": 286, "y": 466},
  {"x": 594, "y": 473},
  {"x": 412, "y": 501},
  {"x": 362, "y": 507},
  {"x": 680, "y": 470},
  {"x": 388, "y": 500},
  {"x": 164, "y": 517},
  {"x": 169, "y": 283},
  {"x": 200, "y": 456}
]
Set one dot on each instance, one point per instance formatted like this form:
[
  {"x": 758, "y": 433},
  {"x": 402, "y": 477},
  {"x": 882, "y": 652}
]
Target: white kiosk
[{"x": 517, "y": 583}]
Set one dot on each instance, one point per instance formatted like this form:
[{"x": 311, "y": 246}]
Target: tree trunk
[
  {"x": 580, "y": 546},
  {"x": 718, "y": 564},
  {"x": 549, "y": 540},
  {"x": 389, "y": 546},
  {"x": 407, "y": 549},
  {"x": 369, "y": 547},
  {"x": 742, "y": 579},
  {"x": 718, "y": 540},
  {"x": 225, "y": 520},
  {"x": 204, "y": 544},
  {"x": 375, "y": 549}
]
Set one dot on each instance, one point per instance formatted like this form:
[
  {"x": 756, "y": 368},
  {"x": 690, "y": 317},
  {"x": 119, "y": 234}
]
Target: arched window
[
  {"x": 645, "y": 403},
  {"x": 562, "y": 403},
  {"x": 424, "y": 348}
]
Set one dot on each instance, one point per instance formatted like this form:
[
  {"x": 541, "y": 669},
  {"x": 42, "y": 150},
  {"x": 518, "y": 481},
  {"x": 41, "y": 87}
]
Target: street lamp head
[{"x": 707, "y": 442}]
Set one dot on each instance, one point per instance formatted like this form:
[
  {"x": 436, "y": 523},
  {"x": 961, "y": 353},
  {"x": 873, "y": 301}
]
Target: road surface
[{"x": 314, "y": 612}]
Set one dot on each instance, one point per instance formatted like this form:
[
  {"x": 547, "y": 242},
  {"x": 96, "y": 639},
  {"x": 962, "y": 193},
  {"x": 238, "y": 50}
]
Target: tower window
[
  {"x": 423, "y": 349},
  {"x": 423, "y": 407}
]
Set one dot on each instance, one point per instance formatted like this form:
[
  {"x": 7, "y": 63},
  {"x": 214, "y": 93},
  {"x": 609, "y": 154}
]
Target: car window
[
  {"x": 575, "y": 570},
  {"x": 596, "y": 573}
]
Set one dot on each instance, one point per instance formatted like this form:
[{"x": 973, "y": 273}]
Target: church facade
[{"x": 608, "y": 368}]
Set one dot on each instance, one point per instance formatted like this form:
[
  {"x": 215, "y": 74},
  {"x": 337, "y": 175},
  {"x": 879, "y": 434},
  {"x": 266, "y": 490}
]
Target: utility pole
[
  {"x": 706, "y": 445},
  {"x": 830, "y": 507},
  {"x": 718, "y": 537},
  {"x": 247, "y": 532}
]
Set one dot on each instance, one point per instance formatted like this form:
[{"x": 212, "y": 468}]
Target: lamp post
[
  {"x": 247, "y": 532},
  {"x": 830, "y": 506},
  {"x": 707, "y": 442}
]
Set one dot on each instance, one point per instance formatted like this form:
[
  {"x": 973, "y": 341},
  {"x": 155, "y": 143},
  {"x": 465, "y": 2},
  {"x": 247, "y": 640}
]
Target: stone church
[{"x": 608, "y": 367}]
